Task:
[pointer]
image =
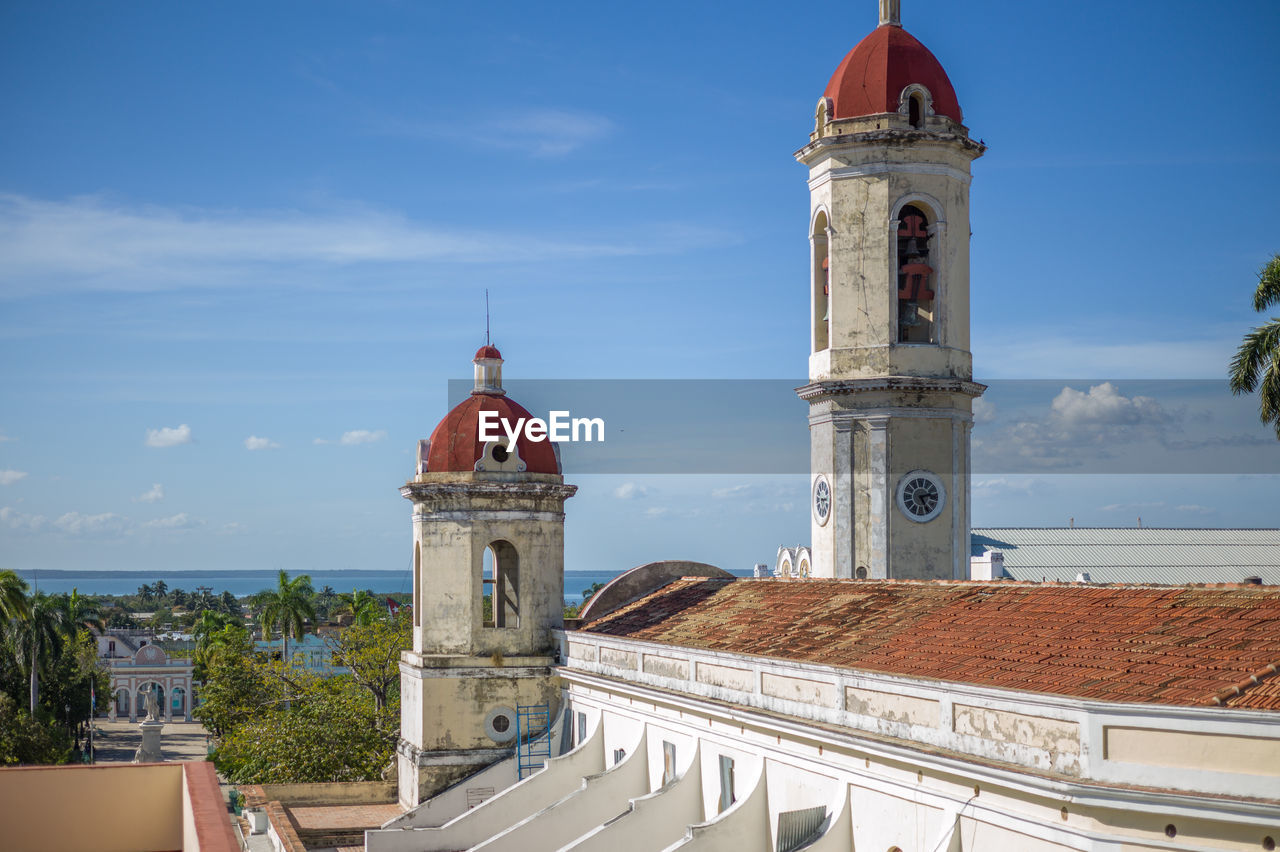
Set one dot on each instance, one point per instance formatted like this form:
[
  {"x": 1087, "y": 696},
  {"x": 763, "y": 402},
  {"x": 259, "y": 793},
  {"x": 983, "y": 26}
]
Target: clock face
[
  {"x": 921, "y": 496},
  {"x": 821, "y": 500}
]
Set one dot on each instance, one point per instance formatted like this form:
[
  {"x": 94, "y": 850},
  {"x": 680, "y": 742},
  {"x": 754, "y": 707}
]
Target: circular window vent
[{"x": 500, "y": 724}]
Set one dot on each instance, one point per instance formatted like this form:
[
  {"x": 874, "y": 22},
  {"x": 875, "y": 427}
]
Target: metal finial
[
  {"x": 891, "y": 12},
  {"x": 486, "y": 316}
]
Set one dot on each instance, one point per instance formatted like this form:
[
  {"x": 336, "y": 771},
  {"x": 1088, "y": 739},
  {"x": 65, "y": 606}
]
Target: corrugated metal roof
[{"x": 1135, "y": 554}]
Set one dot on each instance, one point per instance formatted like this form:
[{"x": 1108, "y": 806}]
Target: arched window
[
  {"x": 418, "y": 585},
  {"x": 821, "y": 116},
  {"x": 501, "y": 585},
  {"x": 821, "y": 283},
  {"x": 915, "y": 110},
  {"x": 917, "y": 308}
]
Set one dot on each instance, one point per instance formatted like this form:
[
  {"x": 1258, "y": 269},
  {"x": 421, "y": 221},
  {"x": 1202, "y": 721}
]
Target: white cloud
[
  {"x": 8, "y": 477},
  {"x": 1079, "y": 427},
  {"x": 656, "y": 511},
  {"x": 103, "y": 525},
  {"x": 169, "y": 436},
  {"x": 537, "y": 132},
  {"x": 93, "y": 244},
  {"x": 75, "y": 523},
  {"x": 361, "y": 436},
  {"x": 179, "y": 521},
  {"x": 983, "y": 411},
  {"x": 155, "y": 495},
  {"x": 16, "y": 520},
  {"x": 745, "y": 490},
  {"x": 4, "y": 437},
  {"x": 1196, "y": 509},
  {"x": 1132, "y": 507},
  {"x": 1104, "y": 405},
  {"x": 253, "y": 442},
  {"x": 630, "y": 491},
  {"x": 1005, "y": 485}
]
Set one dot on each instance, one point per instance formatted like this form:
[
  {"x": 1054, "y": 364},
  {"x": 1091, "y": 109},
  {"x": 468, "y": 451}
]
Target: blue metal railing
[{"x": 532, "y": 721}]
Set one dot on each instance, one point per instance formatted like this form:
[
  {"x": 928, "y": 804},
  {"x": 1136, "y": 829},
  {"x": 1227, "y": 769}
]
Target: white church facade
[{"x": 871, "y": 697}]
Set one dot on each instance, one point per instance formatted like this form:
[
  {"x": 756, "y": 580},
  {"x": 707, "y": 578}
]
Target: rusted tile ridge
[
  {"x": 1231, "y": 695},
  {"x": 1153, "y": 644}
]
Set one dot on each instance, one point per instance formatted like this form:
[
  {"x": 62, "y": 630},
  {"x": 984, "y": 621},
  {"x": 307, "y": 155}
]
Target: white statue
[{"x": 153, "y": 705}]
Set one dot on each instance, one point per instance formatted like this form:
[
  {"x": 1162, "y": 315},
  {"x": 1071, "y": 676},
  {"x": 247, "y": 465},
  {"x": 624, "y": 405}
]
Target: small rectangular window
[
  {"x": 618, "y": 755},
  {"x": 727, "y": 795},
  {"x": 668, "y": 762},
  {"x": 582, "y": 727}
]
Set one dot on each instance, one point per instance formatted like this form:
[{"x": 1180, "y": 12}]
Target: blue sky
[{"x": 276, "y": 221}]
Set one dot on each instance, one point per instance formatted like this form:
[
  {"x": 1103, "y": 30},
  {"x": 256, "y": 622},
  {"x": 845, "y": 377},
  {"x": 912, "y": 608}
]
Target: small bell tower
[
  {"x": 488, "y": 589},
  {"x": 891, "y": 385}
]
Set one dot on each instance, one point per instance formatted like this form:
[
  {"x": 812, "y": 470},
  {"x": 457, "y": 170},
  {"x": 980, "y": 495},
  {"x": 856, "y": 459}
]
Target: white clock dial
[
  {"x": 921, "y": 496},
  {"x": 821, "y": 500}
]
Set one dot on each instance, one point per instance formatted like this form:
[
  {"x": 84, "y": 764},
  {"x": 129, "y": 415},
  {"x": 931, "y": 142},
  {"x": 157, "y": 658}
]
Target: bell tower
[
  {"x": 891, "y": 385},
  {"x": 488, "y": 589}
]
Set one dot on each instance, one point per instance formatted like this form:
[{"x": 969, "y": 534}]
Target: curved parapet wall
[{"x": 643, "y": 580}]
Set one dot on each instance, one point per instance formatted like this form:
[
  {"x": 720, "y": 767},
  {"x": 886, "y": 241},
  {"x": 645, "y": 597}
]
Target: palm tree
[
  {"x": 13, "y": 596},
  {"x": 145, "y": 594},
  {"x": 288, "y": 606},
  {"x": 362, "y": 605},
  {"x": 80, "y": 613},
  {"x": 325, "y": 598},
  {"x": 210, "y": 622},
  {"x": 160, "y": 587},
  {"x": 1256, "y": 365},
  {"x": 40, "y": 635}
]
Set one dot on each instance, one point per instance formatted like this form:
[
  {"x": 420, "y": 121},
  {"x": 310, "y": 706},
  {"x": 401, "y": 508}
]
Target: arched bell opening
[
  {"x": 418, "y": 585},
  {"x": 821, "y": 282},
  {"x": 500, "y": 584},
  {"x": 917, "y": 301}
]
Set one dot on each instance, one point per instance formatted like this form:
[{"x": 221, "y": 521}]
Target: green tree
[
  {"x": 1256, "y": 365},
  {"x": 38, "y": 637},
  {"x": 25, "y": 740},
  {"x": 330, "y": 731},
  {"x": 372, "y": 653},
  {"x": 160, "y": 588},
  {"x": 70, "y": 678},
  {"x": 80, "y": 613},
  {"x": 362, "y": 605},
  {"x": 206, "y": 627},
  {"x": 288, "y": 607},
  {"x": 236, "y": 685},
  {"x": 13, "y": 596},
  {"x": 227, "y": 603},
  {"x": 325, "y": 599}
]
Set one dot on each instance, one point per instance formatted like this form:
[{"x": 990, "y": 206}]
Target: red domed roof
[
  {"x": 456, "y": 445},
  {"x": 487, "y": 351},
  {"x": 871, "y": 78}
]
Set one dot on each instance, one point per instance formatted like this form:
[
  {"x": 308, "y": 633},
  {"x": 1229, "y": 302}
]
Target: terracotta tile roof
[{"x": 1153, "y": 644}]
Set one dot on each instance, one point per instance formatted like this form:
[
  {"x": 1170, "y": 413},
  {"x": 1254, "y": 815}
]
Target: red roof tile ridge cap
[{"x": 1223, "y": 695}]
